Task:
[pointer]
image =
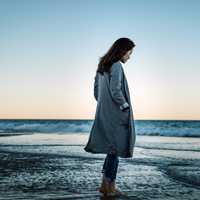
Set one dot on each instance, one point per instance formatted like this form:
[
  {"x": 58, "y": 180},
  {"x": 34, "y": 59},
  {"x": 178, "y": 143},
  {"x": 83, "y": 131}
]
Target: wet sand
[{"x": 63, "y": 171}]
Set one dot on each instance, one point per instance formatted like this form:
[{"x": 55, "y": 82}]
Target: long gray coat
[{"x": 112, "y": 129}]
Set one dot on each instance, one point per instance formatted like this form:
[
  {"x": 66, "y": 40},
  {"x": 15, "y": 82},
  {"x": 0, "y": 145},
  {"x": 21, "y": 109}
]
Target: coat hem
[{"x": 122, "y": 155}]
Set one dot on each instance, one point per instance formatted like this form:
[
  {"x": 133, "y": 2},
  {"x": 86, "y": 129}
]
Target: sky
[{"x": 49, "y": 51}]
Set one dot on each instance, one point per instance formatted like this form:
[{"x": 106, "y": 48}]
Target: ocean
[{"x": 178, "y": 128}]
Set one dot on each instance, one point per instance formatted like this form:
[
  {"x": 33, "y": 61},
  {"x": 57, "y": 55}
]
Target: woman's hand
[{"x": 127, "y": 108}]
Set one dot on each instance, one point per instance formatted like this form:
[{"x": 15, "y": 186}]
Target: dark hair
[{"x": 114, "y": 54}]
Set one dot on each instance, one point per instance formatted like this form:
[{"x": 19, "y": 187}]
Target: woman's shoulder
[
  {"x": 117, "y": 63},
  {"x": 116, "y": 66}
]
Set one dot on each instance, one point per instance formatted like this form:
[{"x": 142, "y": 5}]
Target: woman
[{"x": 113, "y": 129}]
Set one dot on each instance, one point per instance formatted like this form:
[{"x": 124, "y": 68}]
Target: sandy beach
[{"x": 42, "y": 166}]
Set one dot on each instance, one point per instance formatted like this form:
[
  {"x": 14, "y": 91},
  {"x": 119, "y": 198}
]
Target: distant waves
[{"x": 186, "y": 128}]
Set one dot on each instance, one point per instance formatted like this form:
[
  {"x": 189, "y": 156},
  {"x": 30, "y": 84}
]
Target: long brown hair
[{"x": 114, "y": 54}]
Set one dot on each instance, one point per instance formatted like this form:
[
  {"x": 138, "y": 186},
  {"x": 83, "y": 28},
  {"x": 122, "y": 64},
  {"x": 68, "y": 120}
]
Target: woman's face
[{"x": 126, "y": 56}]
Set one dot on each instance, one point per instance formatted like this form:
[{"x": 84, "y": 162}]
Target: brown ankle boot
[
  {"x": 113, "y": 190},
  {"x": 104, "y": 185}
]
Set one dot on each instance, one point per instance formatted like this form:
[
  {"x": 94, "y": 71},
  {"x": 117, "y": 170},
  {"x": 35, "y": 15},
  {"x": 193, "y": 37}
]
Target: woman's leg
[
  {"x": 104, "y": 164},
  {"x": 110, "y": 166},
  {"x": 109, "y": 171}
]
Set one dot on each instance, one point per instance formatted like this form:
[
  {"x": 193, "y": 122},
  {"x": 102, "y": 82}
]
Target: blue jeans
[{"x": 110, "y": 166}]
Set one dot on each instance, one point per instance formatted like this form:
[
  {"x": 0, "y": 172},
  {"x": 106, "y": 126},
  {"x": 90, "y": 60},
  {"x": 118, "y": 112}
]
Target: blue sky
[{"x": 50, "y": 50}]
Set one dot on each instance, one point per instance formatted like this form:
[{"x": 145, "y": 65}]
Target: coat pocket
[{"x": 124, "y": 119}]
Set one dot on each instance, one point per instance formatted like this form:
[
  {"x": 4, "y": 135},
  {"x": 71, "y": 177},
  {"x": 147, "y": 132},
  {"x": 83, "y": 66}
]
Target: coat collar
[
  {"x": 121, "y": 63},
  {"x": 125, "y": 82}
]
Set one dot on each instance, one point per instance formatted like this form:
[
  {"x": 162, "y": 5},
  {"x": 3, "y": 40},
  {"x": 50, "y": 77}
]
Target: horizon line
[{"x": 93, "y": 119}]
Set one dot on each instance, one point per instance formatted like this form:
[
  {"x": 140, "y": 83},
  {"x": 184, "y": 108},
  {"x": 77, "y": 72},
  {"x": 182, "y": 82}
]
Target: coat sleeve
[
  {"x": 96, "y": 87},
  {"x": 116, "y": 84}
]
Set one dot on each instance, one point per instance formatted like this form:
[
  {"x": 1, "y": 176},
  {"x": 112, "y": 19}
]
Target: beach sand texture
[{"x": 38, "y": 166}]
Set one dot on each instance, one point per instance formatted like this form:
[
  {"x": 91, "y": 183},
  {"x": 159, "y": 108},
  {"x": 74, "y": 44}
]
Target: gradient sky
[{"x": 49, "y": 51}]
